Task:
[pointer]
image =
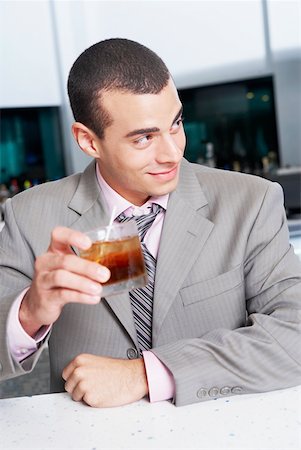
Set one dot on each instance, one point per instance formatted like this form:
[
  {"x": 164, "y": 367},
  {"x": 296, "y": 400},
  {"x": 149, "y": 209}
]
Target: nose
[{"x": 170, "y": 149}]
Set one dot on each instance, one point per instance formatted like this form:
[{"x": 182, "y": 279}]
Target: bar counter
[{"x": 266, "y": 421}]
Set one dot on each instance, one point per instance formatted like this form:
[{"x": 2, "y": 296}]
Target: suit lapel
[
  {"x": 89, "y": 203},
  {"x": 185, "y": 231},
  {"x": 184, "y": 234}
]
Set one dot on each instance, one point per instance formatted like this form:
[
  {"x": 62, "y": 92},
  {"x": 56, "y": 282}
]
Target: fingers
[
  {"x": 75, "y": 389},
  {"x": 69, "y": 278},
  {"x": 60, "y": 297},
  {"x": 81, "y": 360},
  {"x": 62, "y": 238},
  {"x": 61, "y": 277},
  {"x": 71, "y": 381},
  {"x": 68, "y": 370},
  {"x": 74, "y": 376},
  {"x": 56, "y": 264}
]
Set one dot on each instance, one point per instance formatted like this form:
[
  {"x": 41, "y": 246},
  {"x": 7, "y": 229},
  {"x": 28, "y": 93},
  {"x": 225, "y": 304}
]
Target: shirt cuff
[
  {"x": 21, "y": 345},
  {"x": 160, "y": 380}
]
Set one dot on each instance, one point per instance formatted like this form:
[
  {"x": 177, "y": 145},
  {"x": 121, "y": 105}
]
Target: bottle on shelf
[
  {"x": 210, "y": 157},
  {"x": 4, "y": 193},
  {"x": 14, "y": 186}
]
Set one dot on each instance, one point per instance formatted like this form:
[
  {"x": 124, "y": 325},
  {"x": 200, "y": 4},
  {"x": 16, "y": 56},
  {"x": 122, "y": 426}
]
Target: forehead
[{"x": 128, "y": 110}]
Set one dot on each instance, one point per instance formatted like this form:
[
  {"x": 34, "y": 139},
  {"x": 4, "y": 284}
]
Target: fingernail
[
  {"x": 103, "y": 273},
  {"x": 84, "y": 242}
]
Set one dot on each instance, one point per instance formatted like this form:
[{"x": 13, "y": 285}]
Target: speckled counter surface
[{"x": 54, "y": 421}]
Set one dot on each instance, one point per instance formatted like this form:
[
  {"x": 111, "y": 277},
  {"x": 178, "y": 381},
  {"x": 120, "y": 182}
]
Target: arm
[
  {"x": 21, "y": 345},
  {"x": 124, "y": 381},
  {"x": 266, "y": 353},
  {"x": 55, "y": 278},
  {"x": 60, "y": 277},
  {"x": 52, "y": 280}
]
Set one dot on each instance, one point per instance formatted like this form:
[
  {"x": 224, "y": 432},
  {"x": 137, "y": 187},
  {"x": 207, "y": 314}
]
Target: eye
[
  {"x": 143, "y": 140},
  {"x": 177, "y": 124}
]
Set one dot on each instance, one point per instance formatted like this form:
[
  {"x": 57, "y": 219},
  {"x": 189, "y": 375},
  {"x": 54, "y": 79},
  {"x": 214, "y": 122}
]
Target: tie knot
[{"x": 145, "y": 221}]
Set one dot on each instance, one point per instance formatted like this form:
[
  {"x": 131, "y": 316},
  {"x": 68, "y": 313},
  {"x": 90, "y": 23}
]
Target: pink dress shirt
[{"x": 160, "y": 380}]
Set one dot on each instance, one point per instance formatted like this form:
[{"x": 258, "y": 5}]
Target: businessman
[{"x": 224, "y": 317}]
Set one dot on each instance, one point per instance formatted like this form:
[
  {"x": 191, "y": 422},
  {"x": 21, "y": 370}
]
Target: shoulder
[
  {"x": 61, "y": 189},
  {"x": 43, "y": 206},
  {"x": 225, "y": 182},
  {"x": 234, "y": 191}
]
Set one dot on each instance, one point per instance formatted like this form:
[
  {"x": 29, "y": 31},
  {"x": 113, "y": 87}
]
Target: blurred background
[{"x": 237, "y": 65}]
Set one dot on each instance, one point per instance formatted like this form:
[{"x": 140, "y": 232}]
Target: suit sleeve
[
  {"x": 16, "y": 269},
  {"x": 265, "y": 354}
]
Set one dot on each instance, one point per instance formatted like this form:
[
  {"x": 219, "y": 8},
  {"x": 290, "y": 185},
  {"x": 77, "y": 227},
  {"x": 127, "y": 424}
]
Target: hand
[
  {"x": 61, "y": 277},
  {"x": 102, "y": 381}
]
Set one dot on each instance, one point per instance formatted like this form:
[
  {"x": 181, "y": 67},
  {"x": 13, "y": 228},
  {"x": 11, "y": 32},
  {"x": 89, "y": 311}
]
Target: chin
[{"x": 167, "y": 189}]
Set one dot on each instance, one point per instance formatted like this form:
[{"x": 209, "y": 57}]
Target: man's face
[{"x": 141, "y": 151}]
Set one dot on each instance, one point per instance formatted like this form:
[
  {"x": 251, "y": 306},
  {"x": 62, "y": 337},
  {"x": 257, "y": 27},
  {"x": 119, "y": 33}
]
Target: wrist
[
  {"x": 30, "y": 325},
  {"x": 140, "y": 377}
]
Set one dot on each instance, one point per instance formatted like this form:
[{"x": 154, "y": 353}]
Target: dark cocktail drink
[{"x": 121, "y": 253}]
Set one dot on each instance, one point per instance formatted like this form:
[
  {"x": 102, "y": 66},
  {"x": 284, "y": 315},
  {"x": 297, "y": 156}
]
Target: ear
[{"x": 86, "y": 139}]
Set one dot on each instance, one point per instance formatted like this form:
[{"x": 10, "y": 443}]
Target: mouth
[{"x": 165, "y": 175}]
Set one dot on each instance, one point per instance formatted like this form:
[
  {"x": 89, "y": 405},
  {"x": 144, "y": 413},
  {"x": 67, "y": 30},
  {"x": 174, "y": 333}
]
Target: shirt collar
[{"x": 112, "y": 198}]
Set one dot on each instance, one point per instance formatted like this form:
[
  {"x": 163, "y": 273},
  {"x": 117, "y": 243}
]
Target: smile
[{"x": 166, "y": 175}]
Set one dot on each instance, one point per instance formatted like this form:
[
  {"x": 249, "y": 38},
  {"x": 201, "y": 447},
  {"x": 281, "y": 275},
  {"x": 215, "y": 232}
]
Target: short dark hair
[{"x": 112, "y": 64}]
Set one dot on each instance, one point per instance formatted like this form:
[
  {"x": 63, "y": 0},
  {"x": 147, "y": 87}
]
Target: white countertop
[{"x": 259, "y": 422}]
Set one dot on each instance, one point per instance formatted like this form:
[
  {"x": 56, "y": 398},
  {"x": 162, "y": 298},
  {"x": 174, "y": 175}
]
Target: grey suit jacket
[{"x": 226, "y": 314}]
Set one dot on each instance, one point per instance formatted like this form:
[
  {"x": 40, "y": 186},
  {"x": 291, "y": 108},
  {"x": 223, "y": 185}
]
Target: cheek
[
  {"x": 137, "y": 160},
  {"x": 183, "y": 140},
  {"x": 131, "y": 163},
  {"x": 180, "y": 140}
]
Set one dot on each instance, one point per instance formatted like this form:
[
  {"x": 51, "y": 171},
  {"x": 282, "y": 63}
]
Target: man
[{"x": 226, "y": 301}]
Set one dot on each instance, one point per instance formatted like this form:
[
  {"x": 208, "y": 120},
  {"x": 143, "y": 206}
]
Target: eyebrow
[{"x": 152, "y": 129}]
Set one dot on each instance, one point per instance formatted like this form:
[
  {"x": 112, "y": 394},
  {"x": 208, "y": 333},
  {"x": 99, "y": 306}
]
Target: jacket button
[
  {"x": 226, "y": 390},
  {"x": 132, "y": 353},
  {"x": 201, "y": 393},
  {"x": 213, "y": 392},
  {"x": 236, "y": 390}
]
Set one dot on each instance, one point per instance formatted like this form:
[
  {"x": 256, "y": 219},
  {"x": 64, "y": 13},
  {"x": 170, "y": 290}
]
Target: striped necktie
[{"x": 142, "y": 298}]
